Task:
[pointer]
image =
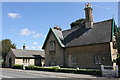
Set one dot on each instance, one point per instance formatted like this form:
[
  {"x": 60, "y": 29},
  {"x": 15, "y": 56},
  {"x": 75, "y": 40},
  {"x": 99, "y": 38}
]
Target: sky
[{"x": 29, "y": 22}]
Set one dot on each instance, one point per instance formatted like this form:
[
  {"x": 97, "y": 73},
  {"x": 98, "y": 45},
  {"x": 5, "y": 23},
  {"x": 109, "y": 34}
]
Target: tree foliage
[
  {"x": 79, "y": 22},
  {"x": 6, "y": 44}
]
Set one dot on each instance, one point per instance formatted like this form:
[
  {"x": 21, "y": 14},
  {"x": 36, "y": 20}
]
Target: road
[
  {"x": 6, "y": 73},
  {"x": 16, "y": 74}
]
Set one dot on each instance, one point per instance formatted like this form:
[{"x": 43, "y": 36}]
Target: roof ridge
[
  {"x": 94, "y": 23},
  {"x": 103, "y": 21},
  {"x": 70, "y": 29},
  {"x": 27, "y": 49}
]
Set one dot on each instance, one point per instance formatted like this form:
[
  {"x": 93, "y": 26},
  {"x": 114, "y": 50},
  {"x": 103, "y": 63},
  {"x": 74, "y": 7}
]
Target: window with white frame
[
  {"x": 25, "y": 61},
  {"x": 98, "y": 59},
  {"x": 28, "y": 61},
  {"x": 52, "y": 45}
]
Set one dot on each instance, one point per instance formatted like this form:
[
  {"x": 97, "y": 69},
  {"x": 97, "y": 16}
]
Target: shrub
[
  {"x": 30, "y": 67},
  {"x": 17, "y": 66},
  {"x": 64, "y": 70}
]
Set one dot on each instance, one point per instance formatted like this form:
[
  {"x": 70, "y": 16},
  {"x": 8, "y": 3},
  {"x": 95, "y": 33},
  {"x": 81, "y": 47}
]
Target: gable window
[
  {"x": 52, "y": 45},
  {"x": 97, "y": 59}
]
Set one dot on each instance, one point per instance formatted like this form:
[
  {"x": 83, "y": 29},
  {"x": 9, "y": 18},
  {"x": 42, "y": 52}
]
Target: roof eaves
[
  {"x": 13, "y": 52},
  {"x": 46, "y": 39},
  {"x": 112, "y": 29},
  {"x": 58, "y": 40},
  {"x": 86, "y": 44}
]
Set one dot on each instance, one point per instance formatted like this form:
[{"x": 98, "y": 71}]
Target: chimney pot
[
  {"x": 57, "y": 28},
  {"x": 24, "y": 46}
]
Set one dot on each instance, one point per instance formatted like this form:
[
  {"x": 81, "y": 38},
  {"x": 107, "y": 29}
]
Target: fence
[{"x": 109, "y": 71}]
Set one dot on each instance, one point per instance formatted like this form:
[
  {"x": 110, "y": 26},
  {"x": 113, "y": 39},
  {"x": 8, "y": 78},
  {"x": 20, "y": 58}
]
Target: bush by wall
[
  {"x": 66, "y": 70},
  {"x": 58, "y": 69},
  {"x": 17, "y": 66}
]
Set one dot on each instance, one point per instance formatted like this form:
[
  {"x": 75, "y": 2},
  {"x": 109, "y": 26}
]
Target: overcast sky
[{"x": 29, "y": 22}]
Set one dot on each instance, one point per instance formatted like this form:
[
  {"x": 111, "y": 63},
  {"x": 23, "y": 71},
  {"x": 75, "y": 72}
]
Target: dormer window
[{"x": 52, "y": 46}]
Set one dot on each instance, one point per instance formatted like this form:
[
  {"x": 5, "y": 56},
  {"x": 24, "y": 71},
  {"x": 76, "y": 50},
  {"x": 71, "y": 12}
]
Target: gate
[{"x": 109, "y": 71}]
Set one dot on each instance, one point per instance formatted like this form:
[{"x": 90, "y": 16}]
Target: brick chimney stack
[{"x": 88, "y": 16}]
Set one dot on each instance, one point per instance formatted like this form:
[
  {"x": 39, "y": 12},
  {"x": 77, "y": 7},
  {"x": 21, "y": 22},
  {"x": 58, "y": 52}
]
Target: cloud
[
  {"x": 14, "y": 15},
  {"x": 33, "y": 47},
  {"x": 38, "y": 35},
  {"x": 35, "y": 43},
  {"x": 102, "y": 7},
  {"x": 36, "y": 47},
  {"x": 39, "y": 47},
  {"x": 27, "y": 47},
  {"x": 26, "y": 32}
]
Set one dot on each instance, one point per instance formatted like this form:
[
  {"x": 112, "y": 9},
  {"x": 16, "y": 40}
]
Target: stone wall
[
  {"x": 57, "y": 54},
  {"x": 15, "y": 60},
  {"x": 12, "y": 56},
  {"x": 85, "y": 55},
  {"x": 114, "y": 51},
  {"x": 20, "y": 61}
]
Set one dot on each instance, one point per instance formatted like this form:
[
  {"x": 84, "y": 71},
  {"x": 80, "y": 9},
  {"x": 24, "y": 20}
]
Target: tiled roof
[
  {"x": 101, "y": 32},
  {"x": 28, "y": 53}
]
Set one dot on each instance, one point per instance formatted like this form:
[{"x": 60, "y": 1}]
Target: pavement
[{"x": 12, "y": 73}]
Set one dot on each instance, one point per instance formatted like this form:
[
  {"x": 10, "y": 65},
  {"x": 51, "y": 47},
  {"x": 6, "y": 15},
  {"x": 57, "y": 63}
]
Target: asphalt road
[
  {"x": 12, "y": 74},
  {"x": 17, "y": 74}
]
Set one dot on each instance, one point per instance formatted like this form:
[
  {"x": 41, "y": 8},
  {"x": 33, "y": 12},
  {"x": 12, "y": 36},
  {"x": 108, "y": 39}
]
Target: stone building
[
  {"x": 25, "y": 57},
  {"x": 84, "y": 47}
]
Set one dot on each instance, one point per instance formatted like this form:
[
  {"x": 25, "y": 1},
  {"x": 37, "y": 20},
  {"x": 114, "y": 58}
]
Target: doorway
[
  {"x": 10, "y": 62},
  {"x": 37, "y": 60}
]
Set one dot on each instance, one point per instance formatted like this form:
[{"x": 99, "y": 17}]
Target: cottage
[
  {"x": 25, "y": 57},
  {"x": 85, "y": 47}
]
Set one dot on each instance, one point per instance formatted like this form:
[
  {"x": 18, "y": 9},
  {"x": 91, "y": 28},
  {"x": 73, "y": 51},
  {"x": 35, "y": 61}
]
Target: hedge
[
  {"x": 17, "y": 66},
  {"x": 58, "y": 69},
  {"x": 65, "y": 70}
]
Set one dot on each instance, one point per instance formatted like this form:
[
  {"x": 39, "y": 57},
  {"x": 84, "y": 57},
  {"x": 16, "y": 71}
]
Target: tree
[
  {"x": 5, "y": 47},
  {"x": 79, "y": 22}
]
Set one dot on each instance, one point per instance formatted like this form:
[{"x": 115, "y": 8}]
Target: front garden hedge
[
  {"x": 66, "y": 70},
  {"x": 58, "y": 69},
  {"x": 17, "y": 66}
]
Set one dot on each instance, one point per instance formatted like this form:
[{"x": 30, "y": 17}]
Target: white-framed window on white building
[
  {"x": 98, "y": 59},
  {"x": 52, "y": 45},
  {"x": 26, "y": 61}
]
